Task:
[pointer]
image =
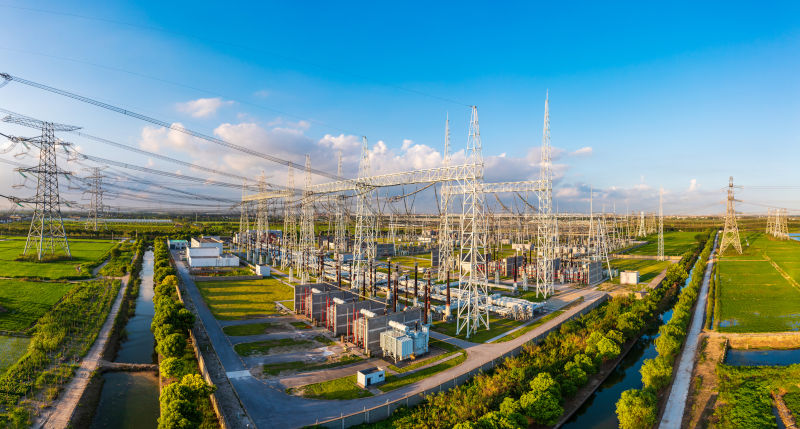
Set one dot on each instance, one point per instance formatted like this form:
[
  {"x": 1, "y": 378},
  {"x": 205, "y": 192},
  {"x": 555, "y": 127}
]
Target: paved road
[
  {"x": 270, "y": 407},
  {"x": 58, "y": 415},
  {"x": 673, "y": 413}
]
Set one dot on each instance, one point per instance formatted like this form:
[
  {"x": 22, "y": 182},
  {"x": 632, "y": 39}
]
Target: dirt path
[
  {"x": 59, "y": 413},
  {"x": 784, "y": 274},
  {"x": 703, "y": 397}
]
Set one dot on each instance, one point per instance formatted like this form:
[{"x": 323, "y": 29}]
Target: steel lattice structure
[
  {"x": 289, "y": 236},
  {"x": 364, "y": 248},
  {"x": 244, "y": 225},
  {"x": 340, "y": 223},
  {"x": 546, "y": 234},
  {"x": 472, "y": 308},
  {"x": 307, "y": 247},
  {"x": 95, "y": 218},
  {"x": 661, "y": 224},
  {"x": 445, "y": 234},
  {"x": 262, "y": 216},
  {"x": 730, "y": 235}
]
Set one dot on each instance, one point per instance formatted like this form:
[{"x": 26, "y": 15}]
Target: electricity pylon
[
  {"x": 642, "y": 232},
  {"x": 770, "y": 221},
  {"x": 95, "y": 218},
  {"x": 546, "y": 232},
  {"x": 288, "y": 237},
  {"x": 364, "y": 249},
  {"x": 340, "y": 227},
  {"x": 445, "y": 233},
  {"x": 262, "y": 215},
  {"x": 661, "y": 224},
  {"x": 244, "y": 224},
  {"x": 307, "y": 246},
  {"x": 781, "y": 228},
  {"x": 730, "y": 235},
  {"x": 46, "y": 232},
  {"x": 472, "y": 309}
]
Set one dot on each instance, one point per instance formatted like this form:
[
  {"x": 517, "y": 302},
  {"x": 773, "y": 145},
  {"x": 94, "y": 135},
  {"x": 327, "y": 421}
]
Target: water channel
[
  {"x": 737, "y": 357},
  {"x": 599, "y": 411},
  {"x": 129, "y": 400}
]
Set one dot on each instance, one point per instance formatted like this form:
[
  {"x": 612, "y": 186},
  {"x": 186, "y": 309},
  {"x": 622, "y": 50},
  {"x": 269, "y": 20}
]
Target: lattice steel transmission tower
[
  {"x": 289, "y": 235},
  {"x": 95, "y": 218},
  {"x": 262, "y": 215},
  {"x": 642, "y": 231},
  {"x": 340, "y": 227},
  {"x": 244, "y": 224},
  {"x": 546, "y": 233},
  {"x": 445, "y": 226},
  {"x": 730, "y": 235},
  {"x": 771, "y": 221},
  {"x": 364, "y": 249},
  {"x": 46, "y": 233},
  {"x": 661, "y": 224},
  {"x": 307, "y": 246},
  {"x": 781, "y": 227},
  {"x": 472, "y": 309}
]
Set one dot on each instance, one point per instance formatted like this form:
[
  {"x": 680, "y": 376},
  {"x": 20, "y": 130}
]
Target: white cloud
[
  {"x": 262, "y": 93},
  {"x": 693, "y": 185},
  {"x": 155, "y": 139},
  {"x": 584, "y": 151},
  {"x": 203, "y": 107}
]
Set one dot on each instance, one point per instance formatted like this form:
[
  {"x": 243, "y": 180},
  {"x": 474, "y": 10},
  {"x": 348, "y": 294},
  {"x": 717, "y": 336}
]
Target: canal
[
  {"x": 129, "y": 400},
  {"x": 599, "y": 411}
]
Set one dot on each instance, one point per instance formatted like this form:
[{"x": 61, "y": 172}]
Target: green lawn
[
  {"x": 676, "y": 243},
  {"x": 339, "y": 388},
  {"x": 11, "y": 349},
  {"x": 648, "y": 269},
  {"x": 277, "y": 368},
  {"x": 234, "y": 300},
  {"x": 83, "y": 251},
  {"x": 23, "y": 302},
  {"x": 250, "y": 329},
  {"x": 398, "y": 380},
  {"x": 497, "y": 326},
  {"x": 753, "y": 295},
  {"x": 264, "y": 347},
  {"x": 744, "y": 394}
]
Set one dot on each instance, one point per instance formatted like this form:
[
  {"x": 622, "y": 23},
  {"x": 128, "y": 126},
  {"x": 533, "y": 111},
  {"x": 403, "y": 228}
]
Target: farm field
[
  {"x": 648, "y": 269},
  {"x": 11, "y": 349},
  {"x": 24, "y": 302},
  {"x": 744, "y": 394},
  {"x": 232, "y": 300},
  {"x": 83, "y": 251},
  {"x": 753, "y": 295},
  {"x": 676, "y": 243}
]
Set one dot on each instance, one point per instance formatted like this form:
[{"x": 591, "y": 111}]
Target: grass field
[
  {"x": 11, "y": 349},
  {"x": 339, "y": 388},
  {"x": 753, "y": 295},
  {"x": 83, "y": 251},
  {"x": 676, "y": 243},
  {"x": 648, "y": 269},
  {"x": 251, "y": 329},
  {"x": 744, "y": 399},
  {"x": 277, "y": 368},
  {"x": 497, "y": 326},
  {"x": 264, "y": 347},
  {"x": 24, "y": 302},
  {"x": 233, "y": 300}
]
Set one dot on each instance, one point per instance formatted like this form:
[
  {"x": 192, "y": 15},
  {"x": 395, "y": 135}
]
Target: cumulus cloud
[
  {"x": 203, "y": 107},
  {"x": 584, "y": 151},
  {"x": 693, "y": 185},
  {"x": 155, "y": 139}
]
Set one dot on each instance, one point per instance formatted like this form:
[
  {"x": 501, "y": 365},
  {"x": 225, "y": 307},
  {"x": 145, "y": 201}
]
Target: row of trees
[
  {"x": 181, "y": 399},
  {"x": 638, "y": 408}
]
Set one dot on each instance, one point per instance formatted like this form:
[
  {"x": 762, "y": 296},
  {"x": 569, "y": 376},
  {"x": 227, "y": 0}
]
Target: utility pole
[{"x": 730, "y": 235}]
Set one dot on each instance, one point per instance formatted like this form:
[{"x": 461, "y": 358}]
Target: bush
[
  {"x": 174, "y": 367},
  {"x": 636, "y": 409},
  {"x": 572, "y": 379},
  {"x": 656, "y": 373},
  {"x": 174, "y": 345},
  {"x": 542, "y": 402}
]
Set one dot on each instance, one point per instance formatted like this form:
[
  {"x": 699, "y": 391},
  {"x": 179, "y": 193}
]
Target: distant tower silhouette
[
  {"x": 661, "y": 224},
  {"x": 730, "y": 235},
  {"x": 95, "y": 219},
  {"x": 642, "y": 232}
]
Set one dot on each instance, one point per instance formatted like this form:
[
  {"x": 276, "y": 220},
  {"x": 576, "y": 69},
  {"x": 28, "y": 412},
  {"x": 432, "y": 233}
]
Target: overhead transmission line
[{"x": 168, "y": 125}]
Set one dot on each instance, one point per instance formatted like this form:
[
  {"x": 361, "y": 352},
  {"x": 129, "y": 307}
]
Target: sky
[{"x": 643, "y": 96}]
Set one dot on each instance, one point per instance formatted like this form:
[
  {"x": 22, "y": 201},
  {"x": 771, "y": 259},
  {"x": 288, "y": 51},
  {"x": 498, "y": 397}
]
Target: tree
[
  {"x": 542, "y": 402},
  {"x": 585, "y": 362},
  {"x": 616, "y": 336},
  {"x": 630, "y": 323},
  {"x": 173, "y": 367},
  {"x": 675, "y": 274},
  {"x": 572, "y": 379},
  {"x": 636, "y": 409},
  {"x": 656, "y": 373},
  {"x": 174, "y": 345},
  {"x": 179, "y": 414},
  {"x": 607, "y": 349},
  {"x": 668, "y": 346}
]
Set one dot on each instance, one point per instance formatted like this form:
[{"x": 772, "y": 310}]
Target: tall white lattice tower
[
  {"x": 546, "y": 233},
  {"x": 289, "y": 236},
  {"x": 46, "y": 233},
  {"x": 730, "y": 235},
  {"x": 445, "y": 226},
  {"x": 244, "y": 223},
  {"x": 781, "y": 227},
  {"x": 642, "y": 231},
  {"x": 95, "y": 218},
  {"x": 340, "y": 227},
  {"x": 262, "y": 213},
  {"x": 770, "y": 222},
  {"x": 307, "y": 247},
  {"x": 472, "y": 309},
  {"x": 364, "y": 245},
  {"x": 661, "y": 224}
]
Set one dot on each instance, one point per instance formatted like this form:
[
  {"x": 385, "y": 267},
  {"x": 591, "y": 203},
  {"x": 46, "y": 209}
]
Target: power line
[{"x": 167, "y": 125}]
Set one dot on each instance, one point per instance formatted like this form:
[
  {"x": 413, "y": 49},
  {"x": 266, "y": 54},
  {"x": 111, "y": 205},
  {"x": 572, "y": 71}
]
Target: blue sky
[{"x": 679, "y": 95}]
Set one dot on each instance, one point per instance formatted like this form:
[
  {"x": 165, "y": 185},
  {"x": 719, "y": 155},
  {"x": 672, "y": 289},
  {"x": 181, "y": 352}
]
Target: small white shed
[
  {"x": 629, "y": 278},
  {"x": 263, "y": 270},
  {"x": 368, "y": 377}
]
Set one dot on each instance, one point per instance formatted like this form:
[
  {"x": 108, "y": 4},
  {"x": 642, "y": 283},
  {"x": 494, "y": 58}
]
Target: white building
[
  {"x": 207, "y": 252},
  {"x": 205, "y": 242},
  {"x": 368, "y": 377},
  {"x": 629, "y": 278}
]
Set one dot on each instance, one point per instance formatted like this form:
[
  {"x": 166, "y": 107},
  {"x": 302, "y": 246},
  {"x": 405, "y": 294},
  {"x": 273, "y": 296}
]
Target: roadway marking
[{"x": 238, "y": 374}]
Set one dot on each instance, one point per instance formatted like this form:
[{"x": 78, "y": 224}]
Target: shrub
[
  {"x": 542, "y": 402},
  {"x": 173, "y": 345},
  {"x": 636, "y": 409},
  {"x": 656, "y": 373},
  {"x": 174, "y": 367}
]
